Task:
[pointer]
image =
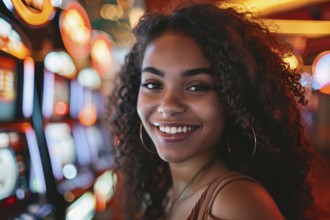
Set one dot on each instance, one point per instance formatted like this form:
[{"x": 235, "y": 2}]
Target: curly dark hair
[{"x": 255, "y": 86}]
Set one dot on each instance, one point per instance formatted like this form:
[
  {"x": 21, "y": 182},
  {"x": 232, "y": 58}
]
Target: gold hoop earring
[
  {"x": 254, "y": 144},
  {"x": 142, "y": 141}
]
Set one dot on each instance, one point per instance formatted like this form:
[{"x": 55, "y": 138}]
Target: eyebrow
[{"x": 187, "y": 73}]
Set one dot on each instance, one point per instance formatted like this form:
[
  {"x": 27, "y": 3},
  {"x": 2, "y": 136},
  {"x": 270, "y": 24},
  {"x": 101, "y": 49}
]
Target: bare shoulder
[{"x": 246, "y": 200}]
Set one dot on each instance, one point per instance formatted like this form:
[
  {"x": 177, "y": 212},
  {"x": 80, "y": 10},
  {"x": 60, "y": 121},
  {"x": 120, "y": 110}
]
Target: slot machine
[
  {"x": 69, "y": 155},
  {"x": 23, "y": 192},
  {"x": 89, "y": 110},
  {"x": 22, "y": 185}
]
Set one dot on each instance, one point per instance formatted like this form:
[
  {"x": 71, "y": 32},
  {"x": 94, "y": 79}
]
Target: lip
[{"x": 174, "y": 138}]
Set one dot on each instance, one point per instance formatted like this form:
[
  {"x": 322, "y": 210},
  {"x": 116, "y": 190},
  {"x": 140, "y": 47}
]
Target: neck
[
  {"x": 181, "y": 194},
  {"x": 183, "y": 174},
  {"x": 184, "y": 180}
]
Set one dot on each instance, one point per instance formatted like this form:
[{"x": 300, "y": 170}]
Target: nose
[{"x": 172, "y": 103}]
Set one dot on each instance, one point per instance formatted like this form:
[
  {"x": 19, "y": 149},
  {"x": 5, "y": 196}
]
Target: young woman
[{"x": 207, "y": 122}]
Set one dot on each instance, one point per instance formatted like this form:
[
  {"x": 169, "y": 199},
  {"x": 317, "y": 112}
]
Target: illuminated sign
[
  {"x": 33, "y": 12},
  {"x": 12, "y": 40},
  {"x": 75, "y": 30},
  {"x": 7, "y": 80}
]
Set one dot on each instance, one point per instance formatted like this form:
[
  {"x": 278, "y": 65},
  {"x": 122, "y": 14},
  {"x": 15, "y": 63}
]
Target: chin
[
  {"x": 171, "y": 157},
  {"x": 167, "y": 158}
]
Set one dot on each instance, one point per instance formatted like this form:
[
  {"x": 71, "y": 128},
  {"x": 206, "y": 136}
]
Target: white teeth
[{"x": 175, "y": 130}]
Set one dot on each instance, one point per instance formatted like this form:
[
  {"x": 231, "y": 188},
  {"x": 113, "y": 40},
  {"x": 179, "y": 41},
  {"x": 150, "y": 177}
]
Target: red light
[
  {"x": 10, "y": 200},
  {"x": 61, "y": 108}
]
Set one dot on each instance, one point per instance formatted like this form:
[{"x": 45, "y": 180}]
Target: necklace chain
[{"x": 184, "y": 189}]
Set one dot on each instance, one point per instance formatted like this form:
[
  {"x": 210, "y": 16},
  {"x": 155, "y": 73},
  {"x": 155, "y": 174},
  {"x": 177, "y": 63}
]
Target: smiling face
[{"x": 177, "y": 101}]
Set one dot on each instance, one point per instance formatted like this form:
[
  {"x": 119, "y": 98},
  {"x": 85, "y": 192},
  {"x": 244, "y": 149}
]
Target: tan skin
[{"x": 181, "y": 112}]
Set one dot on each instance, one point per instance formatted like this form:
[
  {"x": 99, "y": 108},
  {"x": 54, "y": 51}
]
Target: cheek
[
  {"x": 212, "y": 115},
  {"x": 139, "y": 107},
  {"x": 144, "y": 107}
]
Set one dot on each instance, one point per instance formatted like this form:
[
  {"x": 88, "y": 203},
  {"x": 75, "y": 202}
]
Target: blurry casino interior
[{"x": 58, "y": 62}]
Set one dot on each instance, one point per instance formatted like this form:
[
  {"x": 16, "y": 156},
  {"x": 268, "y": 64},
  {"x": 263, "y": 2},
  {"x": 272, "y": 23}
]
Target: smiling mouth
[{"x": 172, "y": 130}]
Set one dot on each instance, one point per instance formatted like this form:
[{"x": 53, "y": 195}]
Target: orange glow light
[
  {"x": 35, "y": 13},
  {"x": 101, "y": 53},
  {"x": 325, "y": 89},
  {"x": 61, "y": 108},
  {"x": 12, "y": 40},
  {"x": 88, "y": 116},
  {"x": 75, "y": 30}
]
